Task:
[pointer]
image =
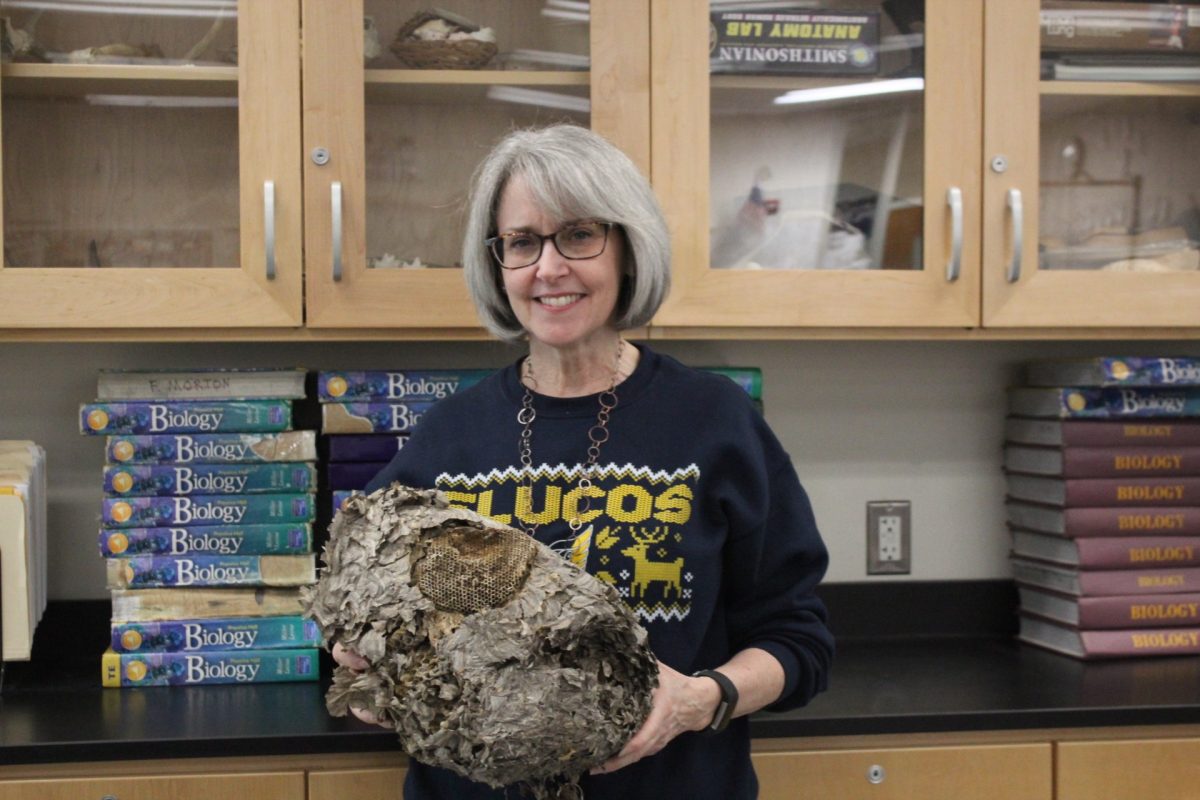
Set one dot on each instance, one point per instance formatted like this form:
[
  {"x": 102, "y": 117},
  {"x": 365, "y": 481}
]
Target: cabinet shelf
[
  {"x": 77, "y": 80},
  {"x": 1120, "y": 88},
  {"x": 461, "y": 85}
]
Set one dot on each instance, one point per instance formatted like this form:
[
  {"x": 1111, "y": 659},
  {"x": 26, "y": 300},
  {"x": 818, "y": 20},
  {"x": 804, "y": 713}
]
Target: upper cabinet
[
  {"x": 819, "y": 163},
  {"x": 151, "y": 165},
  {"x": 863, "y": 165},
  {"x": 1091, "y": 212},
  {"x": 401, "y": 103}
]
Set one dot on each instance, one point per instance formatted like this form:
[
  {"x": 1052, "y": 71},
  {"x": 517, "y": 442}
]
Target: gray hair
[{"x": 572, "y": 174}]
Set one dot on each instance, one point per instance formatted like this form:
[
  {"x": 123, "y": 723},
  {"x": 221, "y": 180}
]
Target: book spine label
[
  {"x": 1115, "y": 462},
  {"x": 749, "y": 378},
  {"x": 1159, "y": 611},
  {"x": 1127, "y": 27},
  {"x": 800, "y": 41},
  {"x": 195, "y": 669},
  {"x": 214, "y": 384},
  {"x": 185, "y": 417},
  {"x": 429, "y": 384},
  {"x": 245, "y": 540},
  {"x": 1113, "y": 521},
  {"x": 1138, "y": 581},
  {"x": 1125, "y": 552},
  {"x": 158, "y": 512},
  {"x": 376, "y": 417},
  {"x": 1077, "y": 433},
  {"x": 365, "y": 447},
  {"x": 1149, "y": 642},
  {"x": 353, "y": 475},
  {"x": 207, "y": 635},
  {"x": 212, "y": 448},
  {"x": 144, "y": 572},
  {"x": 1184, "y": 491},
  {"x": 137, "y": 481},
  {"x": 1108, "y": 402}
]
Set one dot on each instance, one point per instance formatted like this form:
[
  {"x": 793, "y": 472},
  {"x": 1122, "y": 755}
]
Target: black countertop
[{"x": 913, "y": 678}]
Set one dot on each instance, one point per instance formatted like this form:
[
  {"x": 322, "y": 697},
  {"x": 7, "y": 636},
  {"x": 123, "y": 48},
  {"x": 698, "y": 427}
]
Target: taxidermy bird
[{"x": 489, "y": 654}]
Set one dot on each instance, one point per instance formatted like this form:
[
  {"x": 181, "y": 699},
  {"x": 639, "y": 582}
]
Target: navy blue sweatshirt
[{"x": 697, "y": 519}]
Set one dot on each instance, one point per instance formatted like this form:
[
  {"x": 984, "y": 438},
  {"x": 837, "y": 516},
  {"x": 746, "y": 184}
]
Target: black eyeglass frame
[{"x": 492, "y": 241}]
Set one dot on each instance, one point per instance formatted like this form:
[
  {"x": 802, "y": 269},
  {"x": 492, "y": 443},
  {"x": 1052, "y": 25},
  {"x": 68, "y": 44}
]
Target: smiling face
[{"x": 563, "y": 303}]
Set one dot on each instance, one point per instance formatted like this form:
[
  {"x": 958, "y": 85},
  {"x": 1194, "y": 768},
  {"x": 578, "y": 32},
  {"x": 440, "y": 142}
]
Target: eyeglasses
[{"x": 576, "y": 242}]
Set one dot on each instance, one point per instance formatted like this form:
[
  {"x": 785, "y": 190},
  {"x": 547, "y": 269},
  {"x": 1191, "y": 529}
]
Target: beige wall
[{"x": 863, "y": 421}]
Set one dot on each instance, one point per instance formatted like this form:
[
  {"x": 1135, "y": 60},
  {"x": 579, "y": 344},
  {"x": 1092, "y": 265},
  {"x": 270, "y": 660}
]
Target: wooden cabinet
[
  {"x": 153, "y": 191},
  {"x": 1127, "y": 770},
  {"x": 356, "y": 784},
  {"x": 800, "y": 199},
  {"x": 403, "y": 143},
  {"x": 253, "y": 786},
  {"x": 1041, "y": 204},
  {"x": 984, "y": 772},
  {"x": 940, "y": 185},
  {"x": 170, "y": 189},
  {"x": 1072, "y": 168}
]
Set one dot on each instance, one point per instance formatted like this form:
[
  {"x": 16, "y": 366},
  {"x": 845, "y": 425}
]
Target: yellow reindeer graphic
[{"x": 645, "y": 571}]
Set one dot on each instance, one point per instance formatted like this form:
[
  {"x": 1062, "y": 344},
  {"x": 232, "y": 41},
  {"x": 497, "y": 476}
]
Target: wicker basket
[{"x": 418, "y": 54}]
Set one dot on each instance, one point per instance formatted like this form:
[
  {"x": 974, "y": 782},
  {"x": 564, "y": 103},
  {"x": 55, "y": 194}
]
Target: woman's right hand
[{"x": 353, "y": 661}]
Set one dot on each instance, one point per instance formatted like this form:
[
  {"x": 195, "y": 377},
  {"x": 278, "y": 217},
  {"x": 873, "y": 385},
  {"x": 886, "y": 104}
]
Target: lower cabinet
[
  {"x": 1145, "y": 769},
  {"x": 356, "y": 784},
  {"x": 984, "y": 772},
  {"x": 248, "y": 785}
]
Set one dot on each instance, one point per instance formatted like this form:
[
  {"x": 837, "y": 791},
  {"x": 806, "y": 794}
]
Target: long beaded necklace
[{"x": 597, "y": 436}]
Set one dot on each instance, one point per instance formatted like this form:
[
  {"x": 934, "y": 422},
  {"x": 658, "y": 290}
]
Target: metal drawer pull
[
  {"x": 269, "y": 226},
  {"x": 954, "y": 200},
  {"x": 1018, "y": 234},
  {"x": 336, "y": 203},
  {"x": 876, "y": 773}
]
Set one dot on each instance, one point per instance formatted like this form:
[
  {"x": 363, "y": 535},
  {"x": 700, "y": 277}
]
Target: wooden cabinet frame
[
  {"x": 236, "y": 295},
  {"x": 817, "y": 298},
  {"x": 334, "y": 118},
  {"x": 1012, "y": 127}
]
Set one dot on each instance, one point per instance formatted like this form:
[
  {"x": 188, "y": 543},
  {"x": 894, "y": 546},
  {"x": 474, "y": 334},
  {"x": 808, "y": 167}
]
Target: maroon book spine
[
  {"x": 1116, "y": 521},
  {"x": 1135, "y": 552},
  {"x": 1151, "y": 642},
  {"x": 1086, "y": 433},
  {"x": 1097, "y": 583},
  {"x": 1136, "y": 462},
  {"x": 1181, "y": 491},
  {"x": 1155, "y": 611}
]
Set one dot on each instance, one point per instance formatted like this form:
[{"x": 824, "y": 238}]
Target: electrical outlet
[{"x": 889, "y": 540}]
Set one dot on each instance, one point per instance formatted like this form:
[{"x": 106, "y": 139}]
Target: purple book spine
[
  {"x": 1142, "y": 432},
  {"x": 351, "y": 475},
  {"x": 365, "y": 447},
  {"x": 1116, "y": 521},
  {"x": 1156, "y": 611},
  {"x": 1133, "y": 491}
]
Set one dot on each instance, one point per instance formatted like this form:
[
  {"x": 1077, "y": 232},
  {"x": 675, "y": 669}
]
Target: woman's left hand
[{"x": 680, "y": 703}]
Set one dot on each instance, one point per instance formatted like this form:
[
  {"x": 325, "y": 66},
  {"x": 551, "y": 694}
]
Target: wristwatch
[{"x": 729, "y": 699}]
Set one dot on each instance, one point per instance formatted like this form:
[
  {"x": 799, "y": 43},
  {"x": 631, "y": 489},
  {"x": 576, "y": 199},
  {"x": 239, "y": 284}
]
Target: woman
[{"x": 662, "y": 480}]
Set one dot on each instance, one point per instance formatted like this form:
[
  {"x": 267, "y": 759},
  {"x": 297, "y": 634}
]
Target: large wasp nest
[{"x": 489, "y": 654}]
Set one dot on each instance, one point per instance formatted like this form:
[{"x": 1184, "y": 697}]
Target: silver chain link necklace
[{"x": 597, "y": 436}]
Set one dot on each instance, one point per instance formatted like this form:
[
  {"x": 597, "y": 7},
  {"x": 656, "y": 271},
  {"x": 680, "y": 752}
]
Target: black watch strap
[{"x": 729, "y": 699}]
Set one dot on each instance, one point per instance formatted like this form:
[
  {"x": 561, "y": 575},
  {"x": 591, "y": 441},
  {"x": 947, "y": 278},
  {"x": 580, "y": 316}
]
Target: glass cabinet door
[
  {"x": 401, "y": 102},
  {"x": 1091, "y": 207},
  {"x": 818, "y": 161},
  {"x": 151, "y": 172}
]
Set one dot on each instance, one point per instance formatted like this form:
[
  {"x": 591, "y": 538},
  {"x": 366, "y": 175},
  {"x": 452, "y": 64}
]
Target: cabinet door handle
[
  {"x": 269, "y": 226},
  {"x": 336, "y": 204},
  {"x": 1018, "y": 234},
  {"x": 954, "y": 200}
]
